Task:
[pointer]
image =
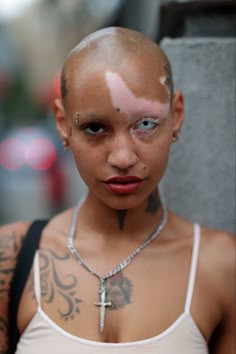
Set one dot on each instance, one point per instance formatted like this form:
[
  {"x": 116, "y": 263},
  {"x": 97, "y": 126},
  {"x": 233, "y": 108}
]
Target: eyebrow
[
  {"x": 89, "y": 115},
  {"x": 152, "y": 112},
  {"x": 167, "y": 68}
]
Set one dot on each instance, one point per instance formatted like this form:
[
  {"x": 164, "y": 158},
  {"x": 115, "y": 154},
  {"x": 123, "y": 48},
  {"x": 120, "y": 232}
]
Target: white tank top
[{"x": 43, "y": 336}]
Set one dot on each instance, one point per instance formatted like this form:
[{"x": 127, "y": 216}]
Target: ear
[
  {"x": 60, "y": 117},
  {"x": 177, "y": 112}
]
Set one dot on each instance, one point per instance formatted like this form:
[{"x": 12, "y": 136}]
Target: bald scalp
[{"x": 114, "y": 48}]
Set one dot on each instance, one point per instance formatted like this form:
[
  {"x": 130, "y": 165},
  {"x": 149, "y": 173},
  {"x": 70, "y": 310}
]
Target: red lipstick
[{"x": 123, "y": 184}]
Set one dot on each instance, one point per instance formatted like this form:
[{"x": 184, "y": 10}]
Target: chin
[{"x": 121, "y": 202}]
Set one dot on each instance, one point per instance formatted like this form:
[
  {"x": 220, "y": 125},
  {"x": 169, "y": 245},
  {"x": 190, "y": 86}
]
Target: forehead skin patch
[
  {"x": 165, "y": 81},
  {"x": 128, "y": 103}
]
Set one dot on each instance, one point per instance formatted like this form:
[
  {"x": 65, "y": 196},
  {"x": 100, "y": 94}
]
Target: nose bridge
[{"x": 122, "y": 151}]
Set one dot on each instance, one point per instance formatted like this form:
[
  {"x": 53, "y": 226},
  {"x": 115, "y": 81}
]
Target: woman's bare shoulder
[
  {"x": 11, "y": 237},
  {"x": 218, "y": 260},
  {"x": 17, "y": 227},
  {"x": 218, "y": 246},
  {"x": 59, "y": 223}
]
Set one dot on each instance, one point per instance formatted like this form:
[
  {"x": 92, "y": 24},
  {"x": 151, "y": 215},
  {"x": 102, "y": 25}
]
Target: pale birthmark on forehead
[
  {"x": 125, "y": 101},
  {"x": 165, "y": 79}
]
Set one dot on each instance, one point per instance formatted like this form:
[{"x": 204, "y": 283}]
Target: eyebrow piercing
[{"x": 77, "y": 118}]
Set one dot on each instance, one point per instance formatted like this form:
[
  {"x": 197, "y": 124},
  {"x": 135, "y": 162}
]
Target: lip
[{"x": 123, "y": 184}]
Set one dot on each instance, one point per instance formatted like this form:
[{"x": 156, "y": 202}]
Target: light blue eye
[{"x": 146, "y": 124}]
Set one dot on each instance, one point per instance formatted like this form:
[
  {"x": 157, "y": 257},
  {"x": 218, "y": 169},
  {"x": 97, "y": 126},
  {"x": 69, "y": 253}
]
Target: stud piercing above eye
[{"x": 77, "y": 118}]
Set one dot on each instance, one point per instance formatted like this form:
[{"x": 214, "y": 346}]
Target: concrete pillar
[
  {"x": 141, "y": 16},
  {"x": 200, "y": 181}
]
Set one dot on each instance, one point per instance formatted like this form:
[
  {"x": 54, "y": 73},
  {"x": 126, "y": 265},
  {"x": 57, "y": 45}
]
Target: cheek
[
  {"x": 143, "y": 135},
  {"x": 85, "y": 166},
  {"x": 155, "y": 159},
  {"x": 89, "y": 160}
]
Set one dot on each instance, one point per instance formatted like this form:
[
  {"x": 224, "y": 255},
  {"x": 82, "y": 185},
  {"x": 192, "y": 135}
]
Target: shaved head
[
  {"x": 116, "y": 49},
  {"x": 117, "y": 112}
]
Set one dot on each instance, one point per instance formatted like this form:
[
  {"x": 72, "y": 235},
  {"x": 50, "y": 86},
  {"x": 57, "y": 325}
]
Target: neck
[{"x": 136, "y": 222}]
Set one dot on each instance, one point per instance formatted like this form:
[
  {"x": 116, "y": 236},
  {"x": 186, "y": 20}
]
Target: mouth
[{"x": 123, "y": 184}]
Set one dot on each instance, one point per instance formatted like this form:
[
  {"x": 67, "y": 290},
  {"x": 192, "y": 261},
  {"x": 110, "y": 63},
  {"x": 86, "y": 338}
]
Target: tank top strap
[
  {"x": 193, "y": 267},
  {"x": 37, "y": 286}
]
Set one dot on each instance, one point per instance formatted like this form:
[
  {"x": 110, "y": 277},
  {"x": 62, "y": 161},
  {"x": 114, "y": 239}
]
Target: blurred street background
[{"x": 37, "y": 178}]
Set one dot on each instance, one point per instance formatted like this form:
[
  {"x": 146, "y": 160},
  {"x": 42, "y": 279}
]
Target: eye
[
  {"x": 93, "y": 128},
  {"x": 146, "y": 124}
]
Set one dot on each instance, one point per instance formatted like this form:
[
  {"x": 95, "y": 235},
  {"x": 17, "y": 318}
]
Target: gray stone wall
[{"x": 200, "y": 180}]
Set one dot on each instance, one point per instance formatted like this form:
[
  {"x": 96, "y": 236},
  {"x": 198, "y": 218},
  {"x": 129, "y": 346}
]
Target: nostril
[{"x": 122, "y": 160}]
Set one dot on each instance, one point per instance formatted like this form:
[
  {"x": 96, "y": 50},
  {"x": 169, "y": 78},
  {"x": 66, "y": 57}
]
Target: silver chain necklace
[{"x": 103, "y": 278}]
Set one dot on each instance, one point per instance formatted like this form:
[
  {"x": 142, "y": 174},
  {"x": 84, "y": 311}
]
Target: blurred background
[{"x": 37, "y": 178}]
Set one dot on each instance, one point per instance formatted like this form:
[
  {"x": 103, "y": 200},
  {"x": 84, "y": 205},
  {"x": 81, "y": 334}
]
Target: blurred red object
[
  {"x": 12, "y": 154},
  {"x": 40, "y": 154},
  {"x": 46, "y": 96},
  {"x": 27, "y": 146}
]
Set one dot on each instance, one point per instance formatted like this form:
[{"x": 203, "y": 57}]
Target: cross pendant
[{"x": 102, "y": 304}]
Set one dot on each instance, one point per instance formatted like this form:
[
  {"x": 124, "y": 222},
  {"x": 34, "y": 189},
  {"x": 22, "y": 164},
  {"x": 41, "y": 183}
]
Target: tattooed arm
[
  {"x": 223, "y": 273},
  {"x": 11, "y": 237}
]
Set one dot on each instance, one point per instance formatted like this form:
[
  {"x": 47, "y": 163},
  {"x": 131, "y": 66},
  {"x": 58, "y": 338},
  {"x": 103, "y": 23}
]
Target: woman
[{"x": 119, "y": 273}]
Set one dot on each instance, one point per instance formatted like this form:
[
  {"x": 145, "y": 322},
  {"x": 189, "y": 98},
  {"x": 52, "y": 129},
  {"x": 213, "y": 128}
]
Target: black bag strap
[{"x": 20, "y": 276}]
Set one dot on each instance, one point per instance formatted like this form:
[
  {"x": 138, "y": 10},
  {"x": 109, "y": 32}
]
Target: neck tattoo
[
  {"x": 121, "y": 218},
  {"x": 153, "y": 203},
  {"x": 103, "y": 304}
]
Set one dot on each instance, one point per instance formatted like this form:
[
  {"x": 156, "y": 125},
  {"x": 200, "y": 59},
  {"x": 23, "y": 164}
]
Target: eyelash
[
  {"x": 156, "y": 121},
  {"x": 90, "y": 125}
]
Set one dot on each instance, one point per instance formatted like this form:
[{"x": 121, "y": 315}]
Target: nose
[{"x": 122, "y": 154}]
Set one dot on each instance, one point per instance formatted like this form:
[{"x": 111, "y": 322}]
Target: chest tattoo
[
  {"x": 119, "y": 291},
  {"x": 58, "y": 287}
]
